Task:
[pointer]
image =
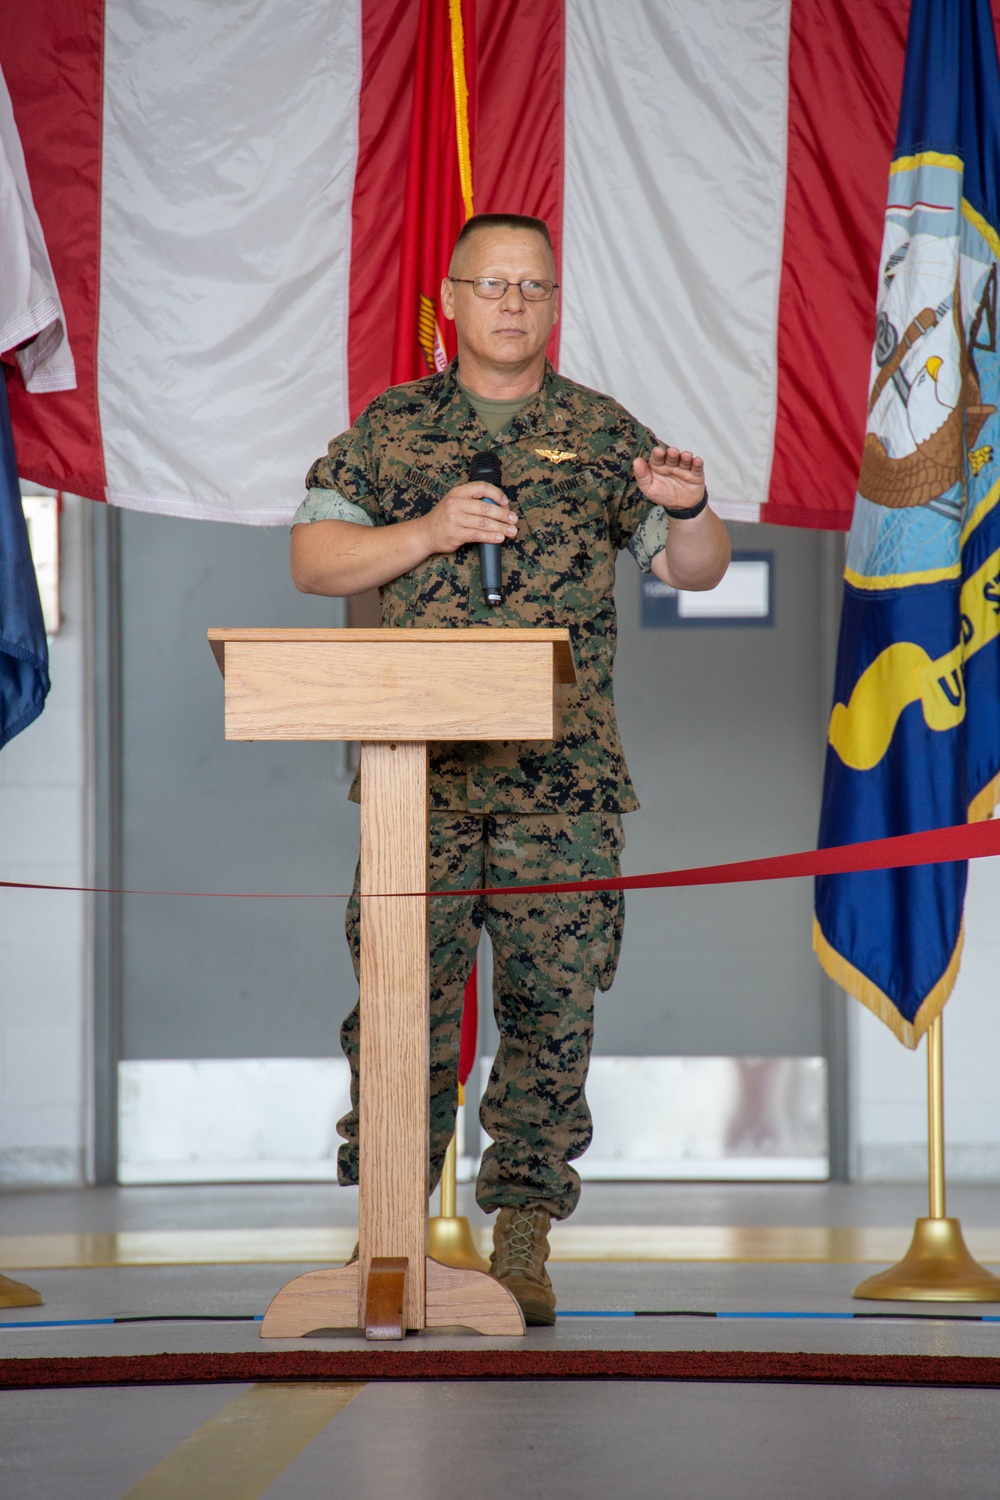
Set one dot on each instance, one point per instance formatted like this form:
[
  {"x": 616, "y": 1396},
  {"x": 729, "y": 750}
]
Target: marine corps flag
[
  {"x": 438, "y": 182},
  {"x": 914, "y": 739}
]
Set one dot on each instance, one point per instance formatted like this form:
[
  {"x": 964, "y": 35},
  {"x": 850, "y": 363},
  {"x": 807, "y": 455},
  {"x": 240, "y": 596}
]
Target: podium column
[{"x": 395, "y": 1036}]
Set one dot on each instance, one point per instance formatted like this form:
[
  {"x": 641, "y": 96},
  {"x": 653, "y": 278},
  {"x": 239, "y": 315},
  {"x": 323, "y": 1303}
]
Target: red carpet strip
[{"x": 502, "y": 1364}]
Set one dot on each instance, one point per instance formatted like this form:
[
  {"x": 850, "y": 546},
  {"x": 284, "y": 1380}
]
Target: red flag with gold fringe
[{"x": 438, "y": 182}]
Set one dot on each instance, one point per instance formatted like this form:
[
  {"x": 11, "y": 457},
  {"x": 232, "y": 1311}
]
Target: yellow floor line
[
  {"x": 570, "y": 1242},
  {"x": 808, "y": 1244},
  {"x": 240, "y": 1452},
  {"x": 178, "y": 1247}
]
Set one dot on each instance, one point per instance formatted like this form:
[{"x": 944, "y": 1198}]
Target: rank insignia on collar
[{"x": 554, "y": 455}]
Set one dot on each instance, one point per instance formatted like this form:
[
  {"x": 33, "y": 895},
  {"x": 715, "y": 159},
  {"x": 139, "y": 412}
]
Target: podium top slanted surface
[
  {"x": 474, "y": 683},
  {"x": 559, "y": 638}
]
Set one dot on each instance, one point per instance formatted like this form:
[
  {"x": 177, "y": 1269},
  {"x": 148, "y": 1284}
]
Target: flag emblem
[{"x": 429, "y": 334}]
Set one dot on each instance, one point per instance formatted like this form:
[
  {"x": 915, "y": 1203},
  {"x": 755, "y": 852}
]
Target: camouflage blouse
[{"x": 567, "y": 472}]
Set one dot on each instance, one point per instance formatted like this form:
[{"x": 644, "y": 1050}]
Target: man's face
[{"x": 508, "y": 331}]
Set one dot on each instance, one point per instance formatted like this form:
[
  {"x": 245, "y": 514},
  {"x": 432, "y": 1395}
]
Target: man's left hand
[{"x": 671, "y": 476}]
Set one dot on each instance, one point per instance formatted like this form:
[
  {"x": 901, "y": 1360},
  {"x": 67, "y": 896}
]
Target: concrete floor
[
  {"x": 558, "y": 1440},
  {"x": 479, "y": 1440}
]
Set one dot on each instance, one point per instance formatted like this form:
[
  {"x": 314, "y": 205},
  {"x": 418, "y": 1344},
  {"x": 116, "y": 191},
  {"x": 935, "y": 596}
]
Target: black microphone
[{"x": 486, "y": 466}]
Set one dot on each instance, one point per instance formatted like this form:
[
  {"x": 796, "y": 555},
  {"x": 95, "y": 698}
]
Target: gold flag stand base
[
  {"x": 451, "y": 1243},
  {"x": 449, "y": 1235},
  {"x": 16, "y": 1294},
  {"x": 938, "y": 1266}
]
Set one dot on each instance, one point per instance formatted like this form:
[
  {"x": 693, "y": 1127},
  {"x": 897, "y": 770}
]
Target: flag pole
[
  {"x": 938, "y": 1266},
  {"x": 935, "y": 1119},
  {"x": 450, "y": 1237}
]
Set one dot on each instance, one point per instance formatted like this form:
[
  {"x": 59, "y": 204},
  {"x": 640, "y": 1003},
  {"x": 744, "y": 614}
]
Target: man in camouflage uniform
[{"x": 390, "y": 505}]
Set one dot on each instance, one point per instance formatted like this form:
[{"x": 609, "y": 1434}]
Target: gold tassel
[{"x": 857, "y": 984}]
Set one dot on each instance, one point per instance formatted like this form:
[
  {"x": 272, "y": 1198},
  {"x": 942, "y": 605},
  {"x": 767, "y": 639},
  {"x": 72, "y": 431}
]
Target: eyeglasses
[{"x": 494, "y": 287}]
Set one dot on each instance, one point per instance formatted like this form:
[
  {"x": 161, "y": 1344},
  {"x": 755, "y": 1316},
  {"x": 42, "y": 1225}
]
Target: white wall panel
[
  {"x": 273, "y": 1119},
  {"x": 250, "y": 1119}
]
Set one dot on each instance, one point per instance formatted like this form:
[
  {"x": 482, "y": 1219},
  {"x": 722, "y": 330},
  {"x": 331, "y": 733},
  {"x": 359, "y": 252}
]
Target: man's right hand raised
[{"x": 464, "y": 516}]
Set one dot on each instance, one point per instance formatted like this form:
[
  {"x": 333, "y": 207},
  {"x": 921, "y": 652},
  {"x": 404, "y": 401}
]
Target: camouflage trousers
[{"x": 549, "y": 955}]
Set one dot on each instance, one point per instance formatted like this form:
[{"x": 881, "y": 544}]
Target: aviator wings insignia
[{"x": 554, "y": 455}]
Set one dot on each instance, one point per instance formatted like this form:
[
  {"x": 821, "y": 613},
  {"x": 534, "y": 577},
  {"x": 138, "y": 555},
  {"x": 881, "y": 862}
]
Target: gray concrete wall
[
  {"x": 45, "y": 936},
  {"x": 223, "y": 978},
  {"x": 722, "y": 728},
  {"x": 722, "y": 731}
]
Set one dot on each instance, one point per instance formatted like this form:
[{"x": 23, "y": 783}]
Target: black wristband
[{"x": 687, "y": 512}]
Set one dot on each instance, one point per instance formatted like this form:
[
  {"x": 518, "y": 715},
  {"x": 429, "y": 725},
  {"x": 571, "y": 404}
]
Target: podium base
[
  {"x": 937, "y": 1268},
  {"x": 16, "y": 1294},
  {"x": 451, "y": 1244},
  {"x": 468, "y": 1299},
  {"x": 331, "y": 1299}
]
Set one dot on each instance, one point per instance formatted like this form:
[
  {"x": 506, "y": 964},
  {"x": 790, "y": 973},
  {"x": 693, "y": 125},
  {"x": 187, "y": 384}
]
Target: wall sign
[{"x": 744, "y": 597}]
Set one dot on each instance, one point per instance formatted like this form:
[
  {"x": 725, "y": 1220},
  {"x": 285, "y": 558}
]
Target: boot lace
[{"x": 521, "y": 1242}]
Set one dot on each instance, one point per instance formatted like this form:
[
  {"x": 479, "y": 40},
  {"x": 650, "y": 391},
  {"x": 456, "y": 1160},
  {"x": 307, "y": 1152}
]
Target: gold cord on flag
[
  {"x": 461, "y": 104},
  {"x": 851, "y": 979},
  {"x": 429, "y": 335}
]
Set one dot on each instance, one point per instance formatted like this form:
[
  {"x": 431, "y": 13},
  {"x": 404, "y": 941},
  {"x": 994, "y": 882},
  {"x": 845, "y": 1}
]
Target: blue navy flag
[
  {"x": 24, "y": 652},
  {"x": 914, "y": 739}
]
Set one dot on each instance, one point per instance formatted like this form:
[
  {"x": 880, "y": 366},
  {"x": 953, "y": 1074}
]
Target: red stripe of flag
[
  {"x": 52, "y": 55},
  {"x": 845, "y": 73},
  {"x": 388, "y": 45}
]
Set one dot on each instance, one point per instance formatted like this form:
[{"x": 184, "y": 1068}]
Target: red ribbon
[{"x": 935, "y": 846}]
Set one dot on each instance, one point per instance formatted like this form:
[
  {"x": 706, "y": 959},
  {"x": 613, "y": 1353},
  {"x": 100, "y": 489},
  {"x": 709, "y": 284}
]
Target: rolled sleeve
[
  {"x": 649, "y": 537},
  {"x": 631, "y": 509},
  {"x": 342, "y": 485},
  {"x": 330, "y": 505}
]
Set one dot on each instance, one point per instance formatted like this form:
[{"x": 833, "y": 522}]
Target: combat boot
[{"x": 520, "y": 1250}]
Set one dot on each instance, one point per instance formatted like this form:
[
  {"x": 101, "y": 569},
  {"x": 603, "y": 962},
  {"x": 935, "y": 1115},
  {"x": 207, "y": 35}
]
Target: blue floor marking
[
  {"x": 122, "y": 1321},
  {"x": 592, "y": 1314},
  {"x": 811, "y": 1317},
  {"x": 60, "y": 1323},
  {"x": 784, "y": 1315}
]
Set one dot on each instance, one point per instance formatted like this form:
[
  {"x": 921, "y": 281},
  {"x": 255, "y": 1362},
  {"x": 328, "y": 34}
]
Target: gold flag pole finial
[
  {"x": 450, "y": 1237},
  {"x": 937, "y": 1267}
]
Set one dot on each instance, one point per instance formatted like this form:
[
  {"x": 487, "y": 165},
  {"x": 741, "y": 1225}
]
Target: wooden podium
[{"x": 393, "y": 690}]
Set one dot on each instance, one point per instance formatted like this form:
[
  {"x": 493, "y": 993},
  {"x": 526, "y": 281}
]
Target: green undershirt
[{"x": 495, "y": 414}]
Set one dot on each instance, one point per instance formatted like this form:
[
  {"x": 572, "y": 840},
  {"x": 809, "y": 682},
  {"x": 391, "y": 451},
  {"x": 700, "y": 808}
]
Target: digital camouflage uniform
[{"x": 503, "y": 813}]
